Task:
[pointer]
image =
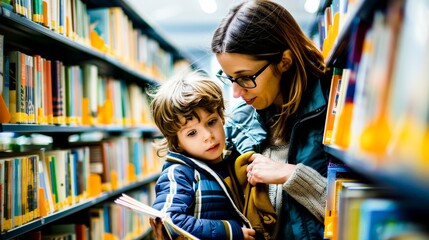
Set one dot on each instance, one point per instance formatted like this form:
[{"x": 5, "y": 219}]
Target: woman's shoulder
[
  {"x": 243, "y": 129},
  {"x": 241, "y": 111}
]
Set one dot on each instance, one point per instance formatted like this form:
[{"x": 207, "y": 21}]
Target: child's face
[{"x": 205, "y": 139}]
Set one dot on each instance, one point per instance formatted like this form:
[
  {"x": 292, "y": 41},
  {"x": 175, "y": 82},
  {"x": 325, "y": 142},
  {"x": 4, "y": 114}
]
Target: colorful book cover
[
  {"x": 359, "y": 28},
  {"x": 386, "y": 219},
  {"x": 57, "y": 93},
  {"x": 17, "y": 193},
  {"x": 21, "y": 114},
  {"x": 14, "y": 84},
  {"x": 334, "y": 173},
  {"x": 45, "y": 183},
  {"x": 333, "y": 100},
  {"x": 99, "y": 20},
  {"x": 4, "y": 84},
  {"x": 29, "y": 90},
  {"x": 351, "y": 198},
  {"x": 49, "y": 112}
]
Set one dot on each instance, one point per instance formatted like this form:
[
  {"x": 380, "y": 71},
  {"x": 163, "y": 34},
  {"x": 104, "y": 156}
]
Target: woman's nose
[{"x": 237, "y": 90}]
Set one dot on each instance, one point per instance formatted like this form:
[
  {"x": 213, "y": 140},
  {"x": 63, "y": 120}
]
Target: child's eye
[
  {"x": 191, "y": 133},
  {"x": 212, "y": 122}
]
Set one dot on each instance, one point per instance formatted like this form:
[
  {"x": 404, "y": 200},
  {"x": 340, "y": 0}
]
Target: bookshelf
[
  {"x": 375, "y": 140},
  {"x": 116, "y": 122},
  {"x": 16, "y": 232},
  {"x": 407, "y": 185}
]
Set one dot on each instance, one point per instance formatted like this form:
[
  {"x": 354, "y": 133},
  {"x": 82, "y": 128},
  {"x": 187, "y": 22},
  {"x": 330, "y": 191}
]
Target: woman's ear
[{"x": 286, "y": 61}]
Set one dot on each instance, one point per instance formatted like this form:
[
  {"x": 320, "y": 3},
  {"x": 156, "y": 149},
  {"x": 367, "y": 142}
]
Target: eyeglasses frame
[{"x": 236, "y": 80}]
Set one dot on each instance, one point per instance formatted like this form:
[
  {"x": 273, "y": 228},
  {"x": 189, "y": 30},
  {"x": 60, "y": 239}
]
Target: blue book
[
  {"x": 5, "y": 4},
  {"x": 99, "y": 18},
  {"x": 376, "y": 215}
]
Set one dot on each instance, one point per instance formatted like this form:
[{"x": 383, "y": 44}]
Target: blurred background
[{"x": 189, "y": 24}]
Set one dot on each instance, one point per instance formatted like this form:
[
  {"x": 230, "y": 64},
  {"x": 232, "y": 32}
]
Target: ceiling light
[
  {"x": 311, "y": 6},
  {"x": 208, "y": 6}
]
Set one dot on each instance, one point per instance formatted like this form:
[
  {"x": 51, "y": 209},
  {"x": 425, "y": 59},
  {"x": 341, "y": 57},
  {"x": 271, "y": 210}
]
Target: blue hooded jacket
[{"x": 197, "y": 199}]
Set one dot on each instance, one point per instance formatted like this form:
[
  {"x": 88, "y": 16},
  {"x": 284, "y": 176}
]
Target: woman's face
[{"x": 267, "y": 90}]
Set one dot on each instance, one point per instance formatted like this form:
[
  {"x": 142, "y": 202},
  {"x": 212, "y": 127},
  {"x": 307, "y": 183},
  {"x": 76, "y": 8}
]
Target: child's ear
[{"x": 286, "y": 61}]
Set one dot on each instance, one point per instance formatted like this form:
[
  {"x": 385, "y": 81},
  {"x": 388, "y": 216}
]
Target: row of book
[
  {"x": 114, "y": 33},
  {"x": 331, "y": 22},
  {"x": 112, "y": 221},
  {"x": 357, "y": 209},
  {"x": 39, "y": 184},
  {"x": 36, "y": 90},
  {"x": 104, "y": 221},
  {"x": 378, "y": 106},
  {"x": 108, "y": 30}
]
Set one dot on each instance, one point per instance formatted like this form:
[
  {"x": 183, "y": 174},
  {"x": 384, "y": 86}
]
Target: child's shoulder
[{"x": 178, "y": 170}]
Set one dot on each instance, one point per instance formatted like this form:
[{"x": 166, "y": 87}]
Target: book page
[{"x": 138, "y": 206}]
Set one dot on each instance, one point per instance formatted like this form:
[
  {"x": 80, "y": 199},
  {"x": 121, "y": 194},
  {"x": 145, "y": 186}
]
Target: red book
[{"x": 48, "y": 92}]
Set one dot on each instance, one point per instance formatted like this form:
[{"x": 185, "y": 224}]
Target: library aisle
[
  {"x": 75, "y": 127},
  {"x": 376, "y": 126},
  {"x": 76, "y": 131}
]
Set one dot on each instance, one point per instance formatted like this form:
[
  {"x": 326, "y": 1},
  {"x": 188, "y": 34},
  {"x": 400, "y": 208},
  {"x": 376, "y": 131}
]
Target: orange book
[
  {"x": 46, "y": 17},
  {"x": 48, "y": 93},
  {"x": 21, "y": 114},
  {"x": 81, "y": 230},
  {"x": 4, "y": 111},
  {"x": 332, "y": 110}
]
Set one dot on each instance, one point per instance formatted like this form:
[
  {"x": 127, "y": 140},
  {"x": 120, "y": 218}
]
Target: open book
[{"x": 138, "y": 206}]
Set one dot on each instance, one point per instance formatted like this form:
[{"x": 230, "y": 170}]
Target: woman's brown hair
[{"x": 263, "y": 30}]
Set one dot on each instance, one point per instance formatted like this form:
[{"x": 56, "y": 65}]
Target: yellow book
[
  {"x": 94, "y": 181},
  {"x": 333, "y": 100},
  {"x": 340, "y": 104},
  {"x": 46, "y": 14},
  {"x": 351, "y": 197},
  {"x": 335, "y": 213}
]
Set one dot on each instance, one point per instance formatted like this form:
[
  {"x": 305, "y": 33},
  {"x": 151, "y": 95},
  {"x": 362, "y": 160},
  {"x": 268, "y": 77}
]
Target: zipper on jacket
[
  {"x": 222, "y": 184},
  {"x": 316, "y": 113}
]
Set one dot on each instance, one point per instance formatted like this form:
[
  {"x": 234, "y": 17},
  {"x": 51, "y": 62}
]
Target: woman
[{"x": 279, "y": 74}]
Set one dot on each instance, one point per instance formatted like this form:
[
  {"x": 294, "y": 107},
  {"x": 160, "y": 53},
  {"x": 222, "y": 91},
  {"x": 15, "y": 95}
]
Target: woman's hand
[
  {"x": 265, "y": 170},
  {"x": 248, "y": 233}
]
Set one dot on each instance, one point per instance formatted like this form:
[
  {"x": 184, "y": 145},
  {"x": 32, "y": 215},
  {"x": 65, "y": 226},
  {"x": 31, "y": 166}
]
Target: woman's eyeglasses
[{"x": 244, "y": 81}]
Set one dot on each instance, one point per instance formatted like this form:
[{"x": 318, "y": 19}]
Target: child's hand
[
  {"x": 158, "y": 233},
  {"x": 248, "y": 233}
]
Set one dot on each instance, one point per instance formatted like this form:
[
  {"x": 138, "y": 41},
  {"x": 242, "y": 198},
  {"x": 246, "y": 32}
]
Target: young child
[{"x": 189, "y": 111}]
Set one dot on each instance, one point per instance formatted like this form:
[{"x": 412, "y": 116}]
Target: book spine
[
  {"x": 14, "y": 101},
  {"x": 6, "y": 81},
  {"x": 333, "y": 100},
  {"x": 57, "y": 92},
  {"x": 29, "y": 89}
]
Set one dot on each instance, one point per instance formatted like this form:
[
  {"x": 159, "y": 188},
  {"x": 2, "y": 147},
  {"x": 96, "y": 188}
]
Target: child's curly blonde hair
[{"x": 179, "y": 97}]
